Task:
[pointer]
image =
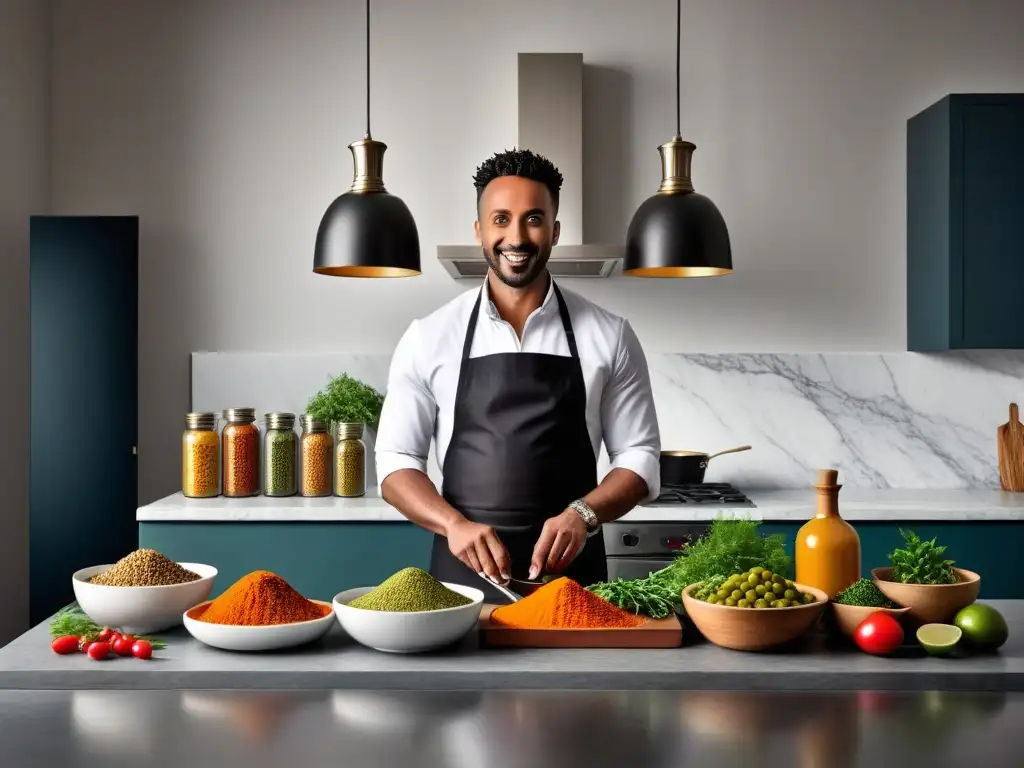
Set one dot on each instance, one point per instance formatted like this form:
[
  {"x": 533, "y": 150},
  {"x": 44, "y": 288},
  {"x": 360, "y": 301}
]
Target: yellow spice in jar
[
  {"x": 350, "y": 468},
  {"x": 316, "y": 464},
  {"x": 200, "y": 471}
]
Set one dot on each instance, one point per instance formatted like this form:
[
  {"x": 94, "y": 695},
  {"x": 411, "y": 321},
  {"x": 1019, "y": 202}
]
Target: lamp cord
[
  {"x": 679, "y": 34},
  {"x": 368, "y": 69}
]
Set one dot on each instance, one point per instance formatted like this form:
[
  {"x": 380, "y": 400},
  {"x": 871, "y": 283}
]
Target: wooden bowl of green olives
[{"x": 753, "y": 611}]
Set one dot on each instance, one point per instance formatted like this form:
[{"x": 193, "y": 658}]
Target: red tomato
[
  {"x": 98, "y": 650},
  {"x": 105, "y": 635},
  {"x": 142, "y": 649},
  {"x": 123, "y": 646},
  {"x": 879, "y": 634},
  {"x": 129, "y": 638},
  {"x": 65, "y": 644}
]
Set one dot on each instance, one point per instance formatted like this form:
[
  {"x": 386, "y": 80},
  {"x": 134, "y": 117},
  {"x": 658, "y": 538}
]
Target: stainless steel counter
[
  {"x": 507, "y": 729},
  {"x": 337, "y": 662}
]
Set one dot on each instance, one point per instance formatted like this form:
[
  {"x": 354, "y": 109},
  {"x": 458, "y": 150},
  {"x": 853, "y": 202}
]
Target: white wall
[
  {"x": 224, "y": 125},
  {"x": 24, "y": 176}
]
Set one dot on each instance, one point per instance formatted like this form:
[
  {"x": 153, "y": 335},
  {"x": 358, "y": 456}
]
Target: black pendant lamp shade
[
  {"x": 367, "y": 232},
  {"x": 677, "y": 232}
]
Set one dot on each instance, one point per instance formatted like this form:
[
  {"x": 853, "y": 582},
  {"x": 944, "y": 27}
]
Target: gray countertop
[
  {"x": 337, "y": 662},
  {"x": 510, "y": 729}
]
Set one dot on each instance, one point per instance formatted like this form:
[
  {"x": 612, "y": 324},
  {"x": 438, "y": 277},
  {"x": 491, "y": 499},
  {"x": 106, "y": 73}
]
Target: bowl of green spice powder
[
  {"x": 860, "y": 600},
  {"x": 409, "y": 612}
]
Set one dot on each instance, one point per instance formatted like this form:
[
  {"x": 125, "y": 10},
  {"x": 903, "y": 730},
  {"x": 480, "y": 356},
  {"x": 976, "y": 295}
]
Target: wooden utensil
[
  {"x": 1011, "y": 452},
  {"x": 654, "y": 633}
]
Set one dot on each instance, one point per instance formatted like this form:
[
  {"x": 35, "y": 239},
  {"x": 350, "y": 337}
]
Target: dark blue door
[{"x": 83, "y": 284}]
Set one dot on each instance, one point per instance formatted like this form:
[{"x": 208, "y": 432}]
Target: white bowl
[
  {"x": 141, "y": 610},
  {"x": 269, "y": 637},
  {"x": 408, "y": 631}
]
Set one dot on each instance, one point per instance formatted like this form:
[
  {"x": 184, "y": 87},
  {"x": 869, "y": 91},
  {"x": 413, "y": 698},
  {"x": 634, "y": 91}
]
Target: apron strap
[{"x": 563, "y": 312}]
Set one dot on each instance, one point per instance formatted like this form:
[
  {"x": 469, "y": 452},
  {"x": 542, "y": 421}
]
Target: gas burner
[{"x": 702, "y": 493}]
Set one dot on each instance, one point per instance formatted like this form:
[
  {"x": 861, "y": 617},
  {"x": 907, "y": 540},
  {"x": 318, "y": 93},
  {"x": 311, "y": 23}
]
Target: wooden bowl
[
  {"x": 930, "y": 603},
  {"x": 753, "y": 629},
  {"x": 849, "y": 616}
]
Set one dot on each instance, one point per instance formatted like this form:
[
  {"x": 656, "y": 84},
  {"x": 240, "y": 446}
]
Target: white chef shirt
[{"x": 424, "y": 377}]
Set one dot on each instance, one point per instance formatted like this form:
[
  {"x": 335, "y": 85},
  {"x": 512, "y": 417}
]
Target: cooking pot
[{"x": 687, "y": 467}]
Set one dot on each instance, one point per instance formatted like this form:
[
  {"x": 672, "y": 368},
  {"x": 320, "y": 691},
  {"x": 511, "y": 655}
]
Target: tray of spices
[{"x": 562, "y": 614}]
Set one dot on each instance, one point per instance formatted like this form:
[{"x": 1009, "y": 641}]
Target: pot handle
[{"x": 730, "y": 450}]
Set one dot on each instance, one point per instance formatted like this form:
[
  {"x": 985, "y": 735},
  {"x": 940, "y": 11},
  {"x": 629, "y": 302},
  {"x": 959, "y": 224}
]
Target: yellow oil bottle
[{"x": 827, "y": 547}]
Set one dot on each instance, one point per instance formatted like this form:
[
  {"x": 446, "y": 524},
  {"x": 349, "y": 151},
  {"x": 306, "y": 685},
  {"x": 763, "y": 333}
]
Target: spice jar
[
  {"x": 240, "y": 453},
  {"x": 280, "y": 455},
  {"x": 349, "y": 461},
  {"x": 315, "y": 458},
  {"x": 200, "y": 456}
]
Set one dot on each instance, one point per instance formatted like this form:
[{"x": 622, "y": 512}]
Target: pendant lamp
[
  {"x": 677, "y": 232},
  {"x": 367, "y": 232}
]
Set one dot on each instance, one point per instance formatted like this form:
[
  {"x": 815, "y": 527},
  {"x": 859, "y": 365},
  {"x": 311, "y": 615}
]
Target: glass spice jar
[
  {"x": 240, "y": 453},
  {"x": 315, "y": 457},
  {"x": 279, "y": 455},
  {"x": 349, "y": 460},
  {"x": 200, "y": 456}
]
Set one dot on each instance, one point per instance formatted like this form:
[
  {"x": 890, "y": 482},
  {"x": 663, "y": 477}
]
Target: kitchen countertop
[
  {"x": 510, "y": 729},
  {"x": 336, "y": 662},
  {"x": 855, "y": 504}
]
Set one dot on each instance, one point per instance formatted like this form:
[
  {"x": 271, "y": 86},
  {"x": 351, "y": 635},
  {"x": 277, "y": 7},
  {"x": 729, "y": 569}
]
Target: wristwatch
[{"x": 583, "y": 510}]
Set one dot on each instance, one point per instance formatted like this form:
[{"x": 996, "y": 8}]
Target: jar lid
[
  {"x": 203, "y": 420},
  {"x": 240, "y": 414},
  {"x": 309, "y": 424},
  {"x": 280, "y": 420},
  {"x": 349, "y": 431}
]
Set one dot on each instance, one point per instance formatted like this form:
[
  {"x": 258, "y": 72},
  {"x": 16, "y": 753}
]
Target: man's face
[{"x": 516, "y": 228}]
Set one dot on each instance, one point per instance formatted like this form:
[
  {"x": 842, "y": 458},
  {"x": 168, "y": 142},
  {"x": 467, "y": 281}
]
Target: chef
[{"x": 518, "y": 383}]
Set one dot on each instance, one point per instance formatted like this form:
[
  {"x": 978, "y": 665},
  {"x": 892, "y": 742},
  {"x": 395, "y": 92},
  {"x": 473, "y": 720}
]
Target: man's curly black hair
[{"x": 518, "y": 162}]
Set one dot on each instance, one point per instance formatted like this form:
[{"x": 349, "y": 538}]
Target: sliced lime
[{"x": 939, "y": 639}]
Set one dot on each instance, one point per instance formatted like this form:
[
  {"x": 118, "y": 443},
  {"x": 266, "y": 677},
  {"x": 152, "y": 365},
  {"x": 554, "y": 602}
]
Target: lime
[
  {"x": 939, "y": 639},
  {"x": 982, "y": 625}
]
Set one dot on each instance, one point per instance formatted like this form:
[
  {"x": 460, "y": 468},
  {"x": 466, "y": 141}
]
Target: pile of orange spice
[
  {"x": 261, "y": 598},
  {"x": 564, "y": 604}
]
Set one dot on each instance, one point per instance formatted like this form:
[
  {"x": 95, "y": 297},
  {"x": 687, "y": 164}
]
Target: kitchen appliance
[
  {"x": 636, "y": 550},
  {"x": 687, "y": 467}
]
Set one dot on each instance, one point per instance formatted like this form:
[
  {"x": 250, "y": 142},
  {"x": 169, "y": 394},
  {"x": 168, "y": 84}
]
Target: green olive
[
  {"x": 743, "y": 604},
  {"x": 778, "y": 603},
  {"x": 778, "y": 589},
  {"x": 736, "y": 594},
  {"x": 762, "y": 603},
  {"x": 789, "y": 594},
  {"x": 760, "y": 590},
  {"x": 724, "y": 593},
  {"x": 714, "y": 599},
  {"x": 751, "y": 595},
  {"x": 808, "y": 598},
  {"x": 730, "y": 601},
  {"x": 745, "y": 586},
  {"x": 766, "y": 576},
  {"x": 754, "y": 578}
]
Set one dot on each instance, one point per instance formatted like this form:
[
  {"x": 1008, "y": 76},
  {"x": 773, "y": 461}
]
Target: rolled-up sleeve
[
  {"x": 628, "y": 418},
  {"x": 407, "y": 418}
]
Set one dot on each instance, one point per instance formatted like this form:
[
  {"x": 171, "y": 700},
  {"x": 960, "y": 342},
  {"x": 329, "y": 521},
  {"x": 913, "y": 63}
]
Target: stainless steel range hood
[{"x": 551, "y": 124}]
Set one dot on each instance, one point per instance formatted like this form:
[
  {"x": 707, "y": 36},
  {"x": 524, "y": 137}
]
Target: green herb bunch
[
  {"x": 730, "y": 546},
  {"x": 72, "y": 620},
  {"x": 921, "y": 562},
  {"x": 864, "y": 592},
  {"x": 347, "y": 400},
  {"x": 640, "y": 596}
]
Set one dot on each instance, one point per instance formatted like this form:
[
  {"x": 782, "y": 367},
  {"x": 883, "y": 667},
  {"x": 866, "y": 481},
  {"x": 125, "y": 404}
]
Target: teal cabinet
[{"x": 965, "y": 224}]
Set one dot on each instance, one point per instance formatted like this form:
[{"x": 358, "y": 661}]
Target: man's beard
[{"x": 518, "y": 275}]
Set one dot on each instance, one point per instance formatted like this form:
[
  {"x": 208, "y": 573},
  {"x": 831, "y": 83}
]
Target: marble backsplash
[{"x": 885, "y": 420}]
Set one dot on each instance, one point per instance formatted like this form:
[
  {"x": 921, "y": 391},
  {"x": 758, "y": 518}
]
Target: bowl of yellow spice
[{"x": 409, "y": 612}]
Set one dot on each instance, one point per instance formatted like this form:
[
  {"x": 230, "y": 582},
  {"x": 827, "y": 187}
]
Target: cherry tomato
[
  {"x": 142, "y": 649},
  {"x": 98, "y": 650},
  {"x": 879, "y": 634},
  {"x": 65, "y": 644},
  {"x": 123, "y": 646},
  {"x": 85, "y": 641},
  {"x": 105, "y": 635},
  {"x": 129, "y": 638}
]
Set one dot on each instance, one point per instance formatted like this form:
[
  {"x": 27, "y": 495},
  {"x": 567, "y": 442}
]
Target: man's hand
[
  {"x": 561, "y": 539},
  {"x": 478, "y": 546}
]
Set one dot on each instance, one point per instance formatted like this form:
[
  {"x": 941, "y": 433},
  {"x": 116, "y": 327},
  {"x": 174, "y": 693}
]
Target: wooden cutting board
[
  {"x": 654, "y": 633},
  {"x": 1011, "y": 452}
]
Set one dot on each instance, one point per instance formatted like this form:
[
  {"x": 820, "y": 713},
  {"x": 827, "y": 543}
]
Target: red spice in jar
[{"x": 240, "y": 449}]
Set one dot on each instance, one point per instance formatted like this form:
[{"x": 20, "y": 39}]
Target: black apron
[{"x": 519, "y": 454}]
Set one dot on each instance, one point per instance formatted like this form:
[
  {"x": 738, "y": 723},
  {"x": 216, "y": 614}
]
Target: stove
[
  {"x": 719, "y": 494},
  {"x": 635, "y": 550}
]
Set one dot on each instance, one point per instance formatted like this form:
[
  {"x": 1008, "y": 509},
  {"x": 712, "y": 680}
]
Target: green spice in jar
[
  {"x": 279, "y": 455},
  {"x": 349, "y": 461},
  {"x": 411, "y": 589}
]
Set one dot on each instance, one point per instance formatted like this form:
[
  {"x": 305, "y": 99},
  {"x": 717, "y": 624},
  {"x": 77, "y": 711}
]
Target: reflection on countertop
[{"x": 509, "y": 729}]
